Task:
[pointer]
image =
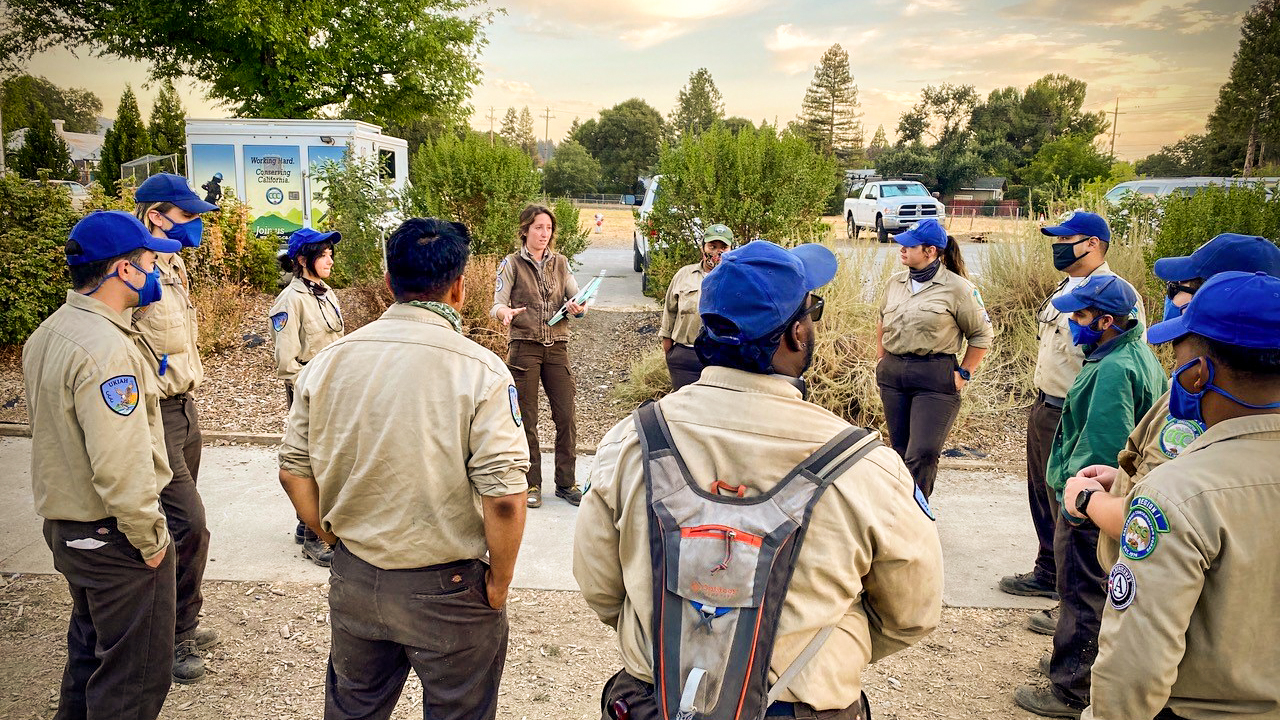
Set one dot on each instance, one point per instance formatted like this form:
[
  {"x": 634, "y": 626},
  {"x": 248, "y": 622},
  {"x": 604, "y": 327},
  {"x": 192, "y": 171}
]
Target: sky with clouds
[{"x": 1163, "y": 59}]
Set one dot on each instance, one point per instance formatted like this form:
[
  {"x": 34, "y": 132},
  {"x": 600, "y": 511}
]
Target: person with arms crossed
[{"x": 680, "y": 321}]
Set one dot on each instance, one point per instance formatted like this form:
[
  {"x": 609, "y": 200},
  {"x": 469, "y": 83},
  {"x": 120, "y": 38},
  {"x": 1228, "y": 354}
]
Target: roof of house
[
  {"x": 83, "y": 146},
  {"x": 987, "y": 183}
]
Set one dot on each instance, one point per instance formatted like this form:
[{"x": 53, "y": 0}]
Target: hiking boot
[
  {"x": 1045, "y": 659},
  {"x": 535, "y": 498},
  {"x": 204, "y": 638},
  {"x": 1043, "y": 702},
  {"x": 300, "y": 533},
  {"x": 1044, "y": 622},
  {"x": 1027, "y": 585},
  {"x": 571, "y": 495},
  {"x": 188, "y": 666},
  {"x": 317, "y": 550}
]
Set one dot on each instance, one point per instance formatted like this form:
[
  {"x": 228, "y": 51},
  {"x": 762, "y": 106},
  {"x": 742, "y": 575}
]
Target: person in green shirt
[{"x": 1121, "y": 379}]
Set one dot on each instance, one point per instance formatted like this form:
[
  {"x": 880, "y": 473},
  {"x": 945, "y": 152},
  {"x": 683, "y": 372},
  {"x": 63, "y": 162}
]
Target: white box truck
[{"x": 271, "y": 164}]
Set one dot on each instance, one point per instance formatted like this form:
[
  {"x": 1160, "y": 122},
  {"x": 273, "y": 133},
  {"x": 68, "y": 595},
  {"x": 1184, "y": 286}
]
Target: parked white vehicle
[
  {"x": 641, "y": 234},
  {"x": 1163, "y": 187},
  {"x": 885, "y": 205}
]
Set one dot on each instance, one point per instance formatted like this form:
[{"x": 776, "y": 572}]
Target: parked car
[
  {"x": 79, "y": 193},
  {"x": 1163, "y": 187},
  {"x": 885, "y": 205}
]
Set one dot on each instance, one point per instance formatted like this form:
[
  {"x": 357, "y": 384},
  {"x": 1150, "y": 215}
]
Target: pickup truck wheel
[
  {"x": 852, "y": 228},
  {"x": 637, "y": 260},
  {"x": 881, "y": 234},
  {"x": 644, "y": 282}
]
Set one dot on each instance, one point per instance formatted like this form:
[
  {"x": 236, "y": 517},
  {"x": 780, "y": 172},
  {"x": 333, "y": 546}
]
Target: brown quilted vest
[{"x": 543, "y": 293}]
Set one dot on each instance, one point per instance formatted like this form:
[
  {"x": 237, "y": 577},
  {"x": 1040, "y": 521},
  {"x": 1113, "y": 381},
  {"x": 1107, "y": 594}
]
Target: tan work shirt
[
  {"x": 97, "y": 443},
  {"x": 943, "y": 315},
  {"x": 542, "y": 288},
  {"x": 1190, "y": 625},
  {"x": 405, "y": 424},
  {"x": 681, "y": 322},
  {"x": 871, "y": 563},
  {"x": 302, "y": 324},
  {"x": 168, "y": 328},
  {"x": 1059, "y": 360}
]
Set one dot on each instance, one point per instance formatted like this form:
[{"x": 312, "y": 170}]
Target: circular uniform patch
[
  {"x": 1139, "y": 535},
  {"x": 515, "y": 404},
  {"x": 1177, "y": 434},
  {"x": 1121, "y": 587}
]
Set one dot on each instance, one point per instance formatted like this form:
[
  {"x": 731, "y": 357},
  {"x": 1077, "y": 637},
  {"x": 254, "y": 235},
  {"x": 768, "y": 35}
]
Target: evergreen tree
[
  {"x": 1249, "y": 103},
  {"x": 879, "y": 143},
  {"x": 526, "y": 140},
  {"x": 698, "y": 106},
  {"x": 127, "y": 140},
  {"x": 573, "y": 128},
  {"x": 168, "y": 126},
  {"x": 829, "y": 115},
  {"x": 43, "y": 149},
  {"x": 510, "y": 129}
]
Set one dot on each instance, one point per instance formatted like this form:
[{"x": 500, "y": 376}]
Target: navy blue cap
[
  {"x": 759, "y": 287},
  {"x": 170, "y": 188},
  {"x": 1227, "y": 252},
  {"x": 307, "y": 236},
  {"x": 1236, "y": 308},
  {"x": 1108, "y": 293},
  {"x": 1080, "y": 223},
  {"x": 106, "y": 234},
  {"x": 925, "y": 232}
]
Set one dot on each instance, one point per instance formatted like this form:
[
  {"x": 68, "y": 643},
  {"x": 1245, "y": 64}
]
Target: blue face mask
[
  {"x": 1171, "y": 311},
  {"x": 1084, "y": 334},
  {"x": 187, "y": 233},
  {"x": 1185, "y": 405},
  {"x": 147, "y": 294}
]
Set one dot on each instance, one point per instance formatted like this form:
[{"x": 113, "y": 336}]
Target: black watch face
[{"x": 1082, "y": 500}]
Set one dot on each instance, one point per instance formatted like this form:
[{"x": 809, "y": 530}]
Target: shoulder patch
[
  {"x": 279, "y": 320},
  {"x": 502, "y": 267},
  {"x": 1177, "y": 434},
  {"x": 120, "y": 393},
  {"x": 1142, "y": 528},
  {"x": 978, "y": 296},
  {"x": 923, "y": 502},
  {"x": 514, "y": 397},
  {"x": 1121, "y": 587}
]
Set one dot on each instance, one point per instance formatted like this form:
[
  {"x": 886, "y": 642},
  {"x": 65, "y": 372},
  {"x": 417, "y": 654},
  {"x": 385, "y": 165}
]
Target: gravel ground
[{"x": 272, "y": 660}]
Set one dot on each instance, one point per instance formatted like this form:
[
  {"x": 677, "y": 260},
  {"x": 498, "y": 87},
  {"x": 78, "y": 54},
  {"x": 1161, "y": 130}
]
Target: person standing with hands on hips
[
  {"x": 929, "y": 312},
  {"x": 680, "y": 321},
  {"x": 169, "y": 208},
  {"x": 533, "y": 284}
]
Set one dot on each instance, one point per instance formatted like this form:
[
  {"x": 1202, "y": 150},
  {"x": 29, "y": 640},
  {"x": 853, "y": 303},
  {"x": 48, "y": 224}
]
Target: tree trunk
[{"x": 1248, "y": 153}]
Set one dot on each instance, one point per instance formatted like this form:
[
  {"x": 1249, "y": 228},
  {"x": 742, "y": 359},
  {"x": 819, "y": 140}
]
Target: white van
[{"x": 1163, "y": 187}]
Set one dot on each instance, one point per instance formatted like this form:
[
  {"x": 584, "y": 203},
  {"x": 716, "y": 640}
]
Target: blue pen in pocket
[{"x": 164, "y": 363}]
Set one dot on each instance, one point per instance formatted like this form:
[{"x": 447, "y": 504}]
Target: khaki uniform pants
[{"x": 530, "y": 362}]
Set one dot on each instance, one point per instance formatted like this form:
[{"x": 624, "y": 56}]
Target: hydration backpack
[{"x": 721, "y": 567}]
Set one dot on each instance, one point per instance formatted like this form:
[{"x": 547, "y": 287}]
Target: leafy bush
[
  {"x": 230, "y": 253},
  {"x": 35, "y": 220},
  {"x": 1187, "y": 222},
  {"x": 359, "y": 203},
  {"x": 572, "y": 171},
  {"x": 571, "y": 238},
  {"x": 759, "y": 183}
]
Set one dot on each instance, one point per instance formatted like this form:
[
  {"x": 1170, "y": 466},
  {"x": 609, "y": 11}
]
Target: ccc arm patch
[
  {"x": 515, "y": 404},
  {"x": 120, "y": 393},
  {"x": 279, "y": 320},
  {"x": 1142, "y": 528}
]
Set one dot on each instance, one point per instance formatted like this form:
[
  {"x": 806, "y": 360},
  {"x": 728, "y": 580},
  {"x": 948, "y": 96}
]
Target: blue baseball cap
[
  {"x": 925, "y": 232},
  {"x": 170, "y": 188},
  {"x": 106, "y": 234},
  {"x": 759, "y": 287},
  {"x": 1225, "y": 253},
  {"x": 1080, "y": 223},
  {"x": 307, "y": 236},
  {"x": 1236, "y": 308},
  {"x": 1108, "y": 293}
]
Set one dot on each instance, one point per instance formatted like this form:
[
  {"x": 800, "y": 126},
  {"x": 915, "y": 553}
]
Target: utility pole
[
  {"x": 1115, "y": 116},
  {"x": 491, "y": 117},
  {"x": 1, "y": 143},
  {"x": 546, "y": 131}
]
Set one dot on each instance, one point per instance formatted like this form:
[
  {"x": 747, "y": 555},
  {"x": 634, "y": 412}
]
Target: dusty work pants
[
  {"x": 530, "y": 362},
  {"x": 1082, "y": 587},
  {"x": 183, "y": 507},
  {"x": 920, "y": 406},
  {"x": 1042, "y": 425},
  {"x": 120, "y": 638}
]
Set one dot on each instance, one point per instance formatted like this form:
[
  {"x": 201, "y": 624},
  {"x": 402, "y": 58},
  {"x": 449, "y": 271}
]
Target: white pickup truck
[{"x": 885, "y": 205}]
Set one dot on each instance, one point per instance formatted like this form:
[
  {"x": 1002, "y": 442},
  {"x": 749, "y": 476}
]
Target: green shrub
[
  {"x": 572, "y": 171},
  {"x": 35, "y": 220},
  {"x": 571, "y": 238},
  {"x": 358, "y": 202},
  {"x": 1187, "y": 222},
  {"x": 230, "y": 253}
]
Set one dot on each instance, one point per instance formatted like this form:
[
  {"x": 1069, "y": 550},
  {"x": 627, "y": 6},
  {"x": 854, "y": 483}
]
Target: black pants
[
  {"x": 637, "y": 696},
  {"x": 530, "y": 362},
  {"x": 1082, "y": 587},
  {"x": 1042, "y": 425},
  {"x": 183, "y": 507},
  {"x": 684, "y": 366},
  {"x": 920, "y": 406},
  {"x": 434, "y": 620},
  {"x": 120, "y": 638}
]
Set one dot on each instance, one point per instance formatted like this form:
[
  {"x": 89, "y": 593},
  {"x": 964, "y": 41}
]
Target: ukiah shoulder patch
[
  {"x": 514, "y": 397},
  {"x": 120, "y": 393},
  {"x": 279, "y": 320},
  {"x": 502, "y": 266},
  {"x": 923, "y": 502},
  {"x": 1142, "y": 528},
  {"x": 1177, "y": 434},
  {"x": 1121, "y": 587}
]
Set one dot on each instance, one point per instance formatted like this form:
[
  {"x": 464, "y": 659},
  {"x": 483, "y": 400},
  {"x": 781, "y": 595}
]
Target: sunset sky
[{"x": 1163, "y": 59}]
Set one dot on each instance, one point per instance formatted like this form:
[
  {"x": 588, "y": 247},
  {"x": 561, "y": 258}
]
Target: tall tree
[
  {"x": 23, "y": 94},
  {"x": 829, "y": 114},
  {"x": 1249, "y": 102},
  {"x": 381, "y": 60},
  {"x": 127, "y": 140},
  {"x": 168, "y": 127},
  {"x": 625, "y": 140},
  {"x": 572, "y": 171},
  {"x": 1011, "y": 125},
  {"x": 879, "y": 143},
  {"x": 698, "y": 105},
  {"x": 942, "y": 114},
  {"x": 510, "y": 128},
  {"x": 42, "y": 149},
  {"x": 526, "y": 139}
]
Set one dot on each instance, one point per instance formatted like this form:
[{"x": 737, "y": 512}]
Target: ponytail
[
  {"x": 287, "y": 265},
  {"x": 952, "y": 258}
]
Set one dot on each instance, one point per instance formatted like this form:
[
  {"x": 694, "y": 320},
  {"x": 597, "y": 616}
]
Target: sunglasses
[
  {"x": 1174, "y": 288},
  {"x": 815, "y": 310}
]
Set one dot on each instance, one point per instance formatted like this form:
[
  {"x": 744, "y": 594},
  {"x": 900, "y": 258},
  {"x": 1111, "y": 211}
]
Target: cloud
[
  {"x": 796, "y": 51},
  {"x": 641, "y": 26},
  {"x": 1184, "y": 16},
  {"x": 915, "y": 7},
  {"x": 513, "y": 88}
]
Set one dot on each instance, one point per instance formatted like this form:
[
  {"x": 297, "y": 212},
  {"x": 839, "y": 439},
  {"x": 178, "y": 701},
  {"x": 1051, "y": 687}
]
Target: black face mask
[
  {"x": 926, "y": 274},
  {"x": 1064, "y": 254}
]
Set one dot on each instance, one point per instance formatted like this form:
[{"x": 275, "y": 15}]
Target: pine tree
[
  {"x": 830, "y": 115},
  {"x": 698, "y": 106},
  {"x": 1249, "y": 103},
  {"x": 43, "y": 149},
  {"x": 168, "y": 126},
  {"x": 879, "y": 143},
  {"x": 510, "y": 130},
  {"x": 573, "y": 128},
  {"x": 526, "y": 139},
  {"x": 127, "y": 140}
]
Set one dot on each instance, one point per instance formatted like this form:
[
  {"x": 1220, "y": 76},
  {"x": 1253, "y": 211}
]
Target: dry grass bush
[
  {"x": 221, "y": 309},
  {"x": 647, "y": 379},
  {"x": 479, "y": 281}
]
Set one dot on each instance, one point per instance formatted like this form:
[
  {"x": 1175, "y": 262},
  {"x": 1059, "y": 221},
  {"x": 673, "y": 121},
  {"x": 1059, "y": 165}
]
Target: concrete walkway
[
  {"x": 620, "y": 289},
  {"x": 982, "y": 518}
]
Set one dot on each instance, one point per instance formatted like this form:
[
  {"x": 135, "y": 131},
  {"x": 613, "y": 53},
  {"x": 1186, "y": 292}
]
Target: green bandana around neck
[{"x": 439, "y": 308}]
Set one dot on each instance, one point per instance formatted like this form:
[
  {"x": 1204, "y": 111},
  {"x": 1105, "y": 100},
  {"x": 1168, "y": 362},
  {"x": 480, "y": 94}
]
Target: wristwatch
[
  {"x": 1082, "y": 501},
  {"x": 964, "y": 374}
]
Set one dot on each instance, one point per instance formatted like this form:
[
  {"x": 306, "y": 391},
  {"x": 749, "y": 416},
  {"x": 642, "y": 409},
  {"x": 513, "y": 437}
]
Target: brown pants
[
  {"x": 636, "y": 698},
  {"x": 1042, "y": 425},
  {"x": 183, "y": 508},
  {"x": 530, "y": 361}
]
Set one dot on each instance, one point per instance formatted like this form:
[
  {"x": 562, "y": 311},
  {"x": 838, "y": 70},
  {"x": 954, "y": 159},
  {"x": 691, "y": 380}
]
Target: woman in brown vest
[{"x": 532, "y": 285}]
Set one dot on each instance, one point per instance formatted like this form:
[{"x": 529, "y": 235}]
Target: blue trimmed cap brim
[
  {"x": 1069, "y": 303},
  {"x": 819, "y": 262},
  {"x": 195, "y": 205},
  {"x": 1167, "y": 331}
]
